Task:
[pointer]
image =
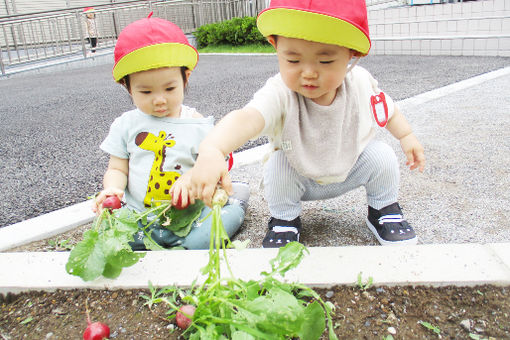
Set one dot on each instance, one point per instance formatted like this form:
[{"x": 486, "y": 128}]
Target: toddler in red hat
[
  {"x": 153, "y": 147},
  {"x": 91, "y": 27},
  {"x": 320, "y": 113}
]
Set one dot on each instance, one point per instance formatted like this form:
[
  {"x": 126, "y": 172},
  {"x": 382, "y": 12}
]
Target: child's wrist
[{"x": 405, "y": 135}]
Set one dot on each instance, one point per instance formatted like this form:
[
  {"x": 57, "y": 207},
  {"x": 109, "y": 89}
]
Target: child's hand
[
  {"x": 209, "y": 170},
  {"x": 181, "y": 191},
  {"x": 413, "y": 151},
  {"x": 97, "y": 207}
]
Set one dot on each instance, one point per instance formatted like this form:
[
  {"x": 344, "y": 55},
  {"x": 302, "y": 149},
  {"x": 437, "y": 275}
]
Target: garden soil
[{"x": 407, "y": 312}]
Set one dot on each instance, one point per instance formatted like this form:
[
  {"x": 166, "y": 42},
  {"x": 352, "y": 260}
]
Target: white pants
[{"x": 376, "y": 169}]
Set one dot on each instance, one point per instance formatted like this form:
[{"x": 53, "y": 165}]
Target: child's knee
[
  {"x": 232, "y": 217},
  {"x": 381, "y": 156}
]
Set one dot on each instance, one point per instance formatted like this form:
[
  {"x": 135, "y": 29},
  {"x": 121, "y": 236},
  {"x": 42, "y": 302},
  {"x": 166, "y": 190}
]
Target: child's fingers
[
  {"x": 420, "y": 161},
  {"x": 98, "y": 201},
  {"x": 226, "y": 184},
  {"x": 207, "y": 194},
  {"x": 415, "y": 161}
]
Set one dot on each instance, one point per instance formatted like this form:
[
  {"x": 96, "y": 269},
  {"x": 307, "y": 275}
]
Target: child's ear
[
  {"x": 187, "y": 72},
  {"x": 272, "y": 40},
  {"x": 356, "y": 54}
]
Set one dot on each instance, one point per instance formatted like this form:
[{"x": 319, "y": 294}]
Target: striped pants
[{"x": 376, "y": 169}]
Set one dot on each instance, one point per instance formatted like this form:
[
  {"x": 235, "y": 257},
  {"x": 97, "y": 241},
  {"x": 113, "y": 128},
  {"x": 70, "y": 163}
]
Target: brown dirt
[
  {"x": 360, "y": 314},
  {"x": 481, "y": 312}
]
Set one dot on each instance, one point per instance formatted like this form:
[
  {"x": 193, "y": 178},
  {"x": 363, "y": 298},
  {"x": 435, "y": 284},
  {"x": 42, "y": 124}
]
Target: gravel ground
[{"x": 53, "y": 124}]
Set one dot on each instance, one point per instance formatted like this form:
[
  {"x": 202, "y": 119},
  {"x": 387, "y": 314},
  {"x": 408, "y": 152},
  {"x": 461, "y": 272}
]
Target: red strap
[{"x": 230, "y": 161}]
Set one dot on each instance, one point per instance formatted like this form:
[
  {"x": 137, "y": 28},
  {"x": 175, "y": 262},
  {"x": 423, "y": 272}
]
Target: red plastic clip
[
  {"x": 230, "y": 161},
  {"x": 379, "y": 109}
]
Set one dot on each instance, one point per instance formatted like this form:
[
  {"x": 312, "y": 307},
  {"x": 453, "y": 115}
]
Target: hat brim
[
  {"x": 299, "y": 24},
  {"x": 156, "y": 56}
]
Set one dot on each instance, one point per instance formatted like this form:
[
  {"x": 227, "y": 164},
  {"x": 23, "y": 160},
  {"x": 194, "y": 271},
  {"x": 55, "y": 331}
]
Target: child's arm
[
  {"x": 235, "y": 129},
  {"x": 114, "y": 181},
  {"x": 401, "y": 130}
]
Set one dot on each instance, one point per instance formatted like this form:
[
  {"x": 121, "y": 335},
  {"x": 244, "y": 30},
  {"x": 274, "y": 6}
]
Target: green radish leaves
[
  {"x": 230, "y": 308},
  {"x": 105, "y": 248}
]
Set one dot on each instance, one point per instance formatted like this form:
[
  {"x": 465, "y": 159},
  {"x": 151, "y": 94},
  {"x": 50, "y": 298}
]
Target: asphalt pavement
[{"x": 54, "y": 121}]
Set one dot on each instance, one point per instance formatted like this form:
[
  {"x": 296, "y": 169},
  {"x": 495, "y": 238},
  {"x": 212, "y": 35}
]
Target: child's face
[
  {"x": 90, "y": 15},
  {"x": 158, "y": 92},
  {"x": 314, "y": 70}
]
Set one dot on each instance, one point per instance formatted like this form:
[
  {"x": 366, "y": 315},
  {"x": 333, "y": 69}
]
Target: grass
[{"x": 253, "y": 48}]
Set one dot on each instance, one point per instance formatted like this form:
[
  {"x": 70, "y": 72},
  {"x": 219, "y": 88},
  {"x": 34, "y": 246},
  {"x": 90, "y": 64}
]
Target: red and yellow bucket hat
[
  {"x": 152, "y": 43},
  {"x": 336, "y": 22},
  {"x": 89, "y": 10}
]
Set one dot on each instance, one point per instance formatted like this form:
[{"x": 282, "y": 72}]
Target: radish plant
[
  {"x": 105, "y": 248},
  {"x": 235, "y": 309}
]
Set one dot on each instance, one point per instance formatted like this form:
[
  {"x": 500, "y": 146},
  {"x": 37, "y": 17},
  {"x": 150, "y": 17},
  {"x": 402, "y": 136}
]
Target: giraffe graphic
[{"x": 160, "y": 182}]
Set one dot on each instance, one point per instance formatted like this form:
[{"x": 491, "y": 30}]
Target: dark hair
[{"x": 127, "y": 84}]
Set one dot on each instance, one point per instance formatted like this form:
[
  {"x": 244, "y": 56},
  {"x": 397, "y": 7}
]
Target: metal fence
[{"x": 38, "y": 36}]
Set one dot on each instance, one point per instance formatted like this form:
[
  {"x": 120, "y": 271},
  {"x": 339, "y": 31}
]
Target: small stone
[
  {"x": 368, "y": 296},
  {"x": 115, "y": 295},
  {"x": 466, "y": 324},
  {"x": 392, "y": 330},
  {"x": 329, "y": 294},
  {"x": 58, "y": 311},
  {"x": 49, "y": 335},
  {"x": 380, "y": 290}
]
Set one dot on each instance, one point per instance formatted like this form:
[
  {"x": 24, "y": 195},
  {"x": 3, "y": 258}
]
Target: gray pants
[{"x": 376, "y": 169}]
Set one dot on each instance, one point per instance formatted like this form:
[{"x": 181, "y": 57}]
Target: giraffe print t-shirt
[{"x": 159, "y": 150}]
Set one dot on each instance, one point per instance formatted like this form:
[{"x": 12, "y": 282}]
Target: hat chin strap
[{"x": 351, "y": 66}]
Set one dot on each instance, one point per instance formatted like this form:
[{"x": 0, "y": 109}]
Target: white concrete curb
[
  {"x": 434, "y": 265},
  {"x": 45, "y": 226}
]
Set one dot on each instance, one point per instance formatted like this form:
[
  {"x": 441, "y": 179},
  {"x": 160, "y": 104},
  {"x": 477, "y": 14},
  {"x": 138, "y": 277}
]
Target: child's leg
[
  {"x": 162, "y": 236},
  {"x": 283, "y": 191},
  {"x": 232, "y": 216},
  {"x": 283, "y": 187},
  {"x": 93, "y": 44},
  {"x": 376, "y": 169}
]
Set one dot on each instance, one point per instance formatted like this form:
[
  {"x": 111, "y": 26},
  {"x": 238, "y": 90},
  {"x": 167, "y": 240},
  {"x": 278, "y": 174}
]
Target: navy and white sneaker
[
  {"x": 281, "y": 232},
  {"x": 389, "y": 226}
]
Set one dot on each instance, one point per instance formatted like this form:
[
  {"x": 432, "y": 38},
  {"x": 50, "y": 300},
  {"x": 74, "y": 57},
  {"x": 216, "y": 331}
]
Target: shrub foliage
[{"x": 237, "y": 31}]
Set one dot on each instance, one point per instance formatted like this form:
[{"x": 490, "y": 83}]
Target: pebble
[
  {"x": 49, "y": 335},
  {"x": 392, "y": 330},
  {"x": 329, "y": 294},
  {"x": 466, "y": 324}
]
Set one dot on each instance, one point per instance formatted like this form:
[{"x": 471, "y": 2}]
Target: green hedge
[{"x": 237, "y": 31}]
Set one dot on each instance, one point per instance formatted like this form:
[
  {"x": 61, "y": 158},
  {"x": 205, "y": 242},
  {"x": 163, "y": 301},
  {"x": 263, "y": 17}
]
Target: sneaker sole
[{"x": 410, "y": 242}]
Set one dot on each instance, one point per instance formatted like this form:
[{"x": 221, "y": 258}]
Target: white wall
[{"x": 462, "y": 28}]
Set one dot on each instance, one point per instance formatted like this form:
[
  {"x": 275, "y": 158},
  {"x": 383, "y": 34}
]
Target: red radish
[
  {"x": 96, "y": 330},
  {"x": 183, "y": 321},
  {"x": 112, "y": 202},
  {"x": 179, "y": 204}
]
